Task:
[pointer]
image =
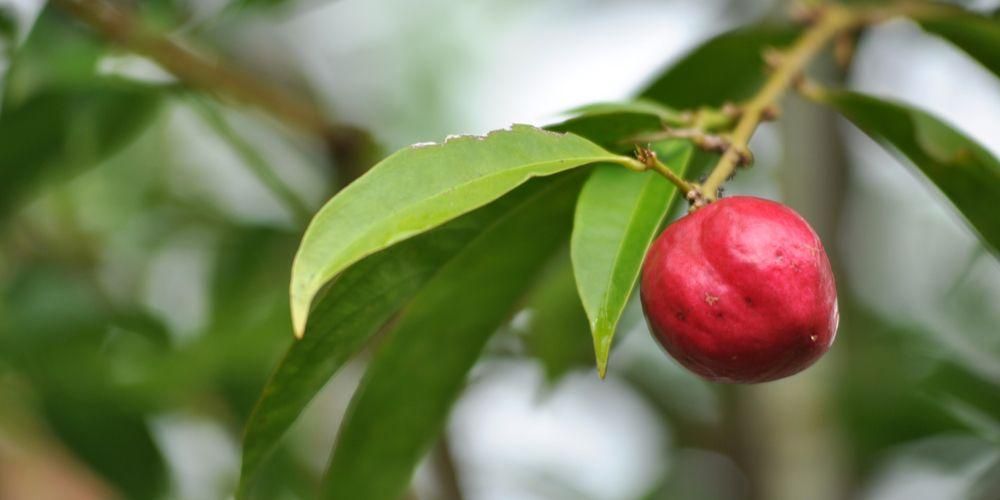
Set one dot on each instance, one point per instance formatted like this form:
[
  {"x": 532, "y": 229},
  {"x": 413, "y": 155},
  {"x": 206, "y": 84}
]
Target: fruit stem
[
  {"x": 830, "y": 22},
  {"x": 647, "y": 158}
]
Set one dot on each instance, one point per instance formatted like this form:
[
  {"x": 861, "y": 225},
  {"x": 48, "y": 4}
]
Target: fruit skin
[{"x": 741, "y": 291}]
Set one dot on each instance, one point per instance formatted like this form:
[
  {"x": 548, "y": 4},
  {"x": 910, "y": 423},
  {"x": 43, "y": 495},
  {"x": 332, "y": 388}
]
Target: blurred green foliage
[{"x": 106, "y": 330}]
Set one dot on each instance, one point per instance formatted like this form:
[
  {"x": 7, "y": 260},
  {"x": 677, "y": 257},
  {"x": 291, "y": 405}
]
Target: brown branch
[{"x": 349, "y": 145}]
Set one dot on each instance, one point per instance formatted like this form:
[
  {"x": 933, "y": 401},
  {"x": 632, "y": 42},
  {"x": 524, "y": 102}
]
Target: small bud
[
  {"x": 645, "y": 155},
  {"x": 731, "y": 110},
  {"x": 843, "y": 49},
  {"x": 805, "y": 13},
  {"x": 744, "y": 158},
  {"x": 772, "y": 57}
]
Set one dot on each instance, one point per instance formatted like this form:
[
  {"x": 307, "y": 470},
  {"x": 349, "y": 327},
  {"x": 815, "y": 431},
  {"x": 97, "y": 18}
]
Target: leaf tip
[
  {"x": 300, "y": 314},
  {"x": 601, "y": 351}
]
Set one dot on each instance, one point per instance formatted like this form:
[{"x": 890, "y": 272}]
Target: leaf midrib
[{"x": 606, "y": 303}]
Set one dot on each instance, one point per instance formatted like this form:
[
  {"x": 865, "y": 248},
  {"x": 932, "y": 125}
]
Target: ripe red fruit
[{"x": 741, "y": 291}]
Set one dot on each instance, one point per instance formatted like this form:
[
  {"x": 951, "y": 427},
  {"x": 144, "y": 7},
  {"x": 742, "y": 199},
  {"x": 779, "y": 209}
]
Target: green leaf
[
  {"x": 8, "y": 26},
  {"x": 611, "y": 130},
  {"x": 611, "y": 124},
  {"x": 637, "y": 106},
  {"x": 58, "y": 115},
  {"x": 729, "y": 67},
  {"x": 58, "y": 52},
  {"x": 962, "y": 170},
  {"x": 239, "y": 4},
  {"x": 557, "y": 331},
  {"x": 349, "y": 313},
  {"x": 421, "y": 187},
  {"x": 88, "y": 426},
  {"x": 410, "y": 384},
  {"x": 617, "y": 216},
  {"x": 59, "y": 132},
  {"x": 977, "y": 35},
  {"x": 54, "y": 333}
]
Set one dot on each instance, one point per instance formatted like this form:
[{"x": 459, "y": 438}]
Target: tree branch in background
[
  {"x": 828, "y": 23},
  {"x": 349, "y": 146},
  {"x": 788, "y": 66}
]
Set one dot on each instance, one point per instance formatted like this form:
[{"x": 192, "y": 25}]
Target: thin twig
[
  {"x": 704, "y": 140},
  {"x": 647, "y": 157},
  {"x": 349, "y": 145},
  {"x": 447, "y": 470},
  {"x": 255, "y": 162}
]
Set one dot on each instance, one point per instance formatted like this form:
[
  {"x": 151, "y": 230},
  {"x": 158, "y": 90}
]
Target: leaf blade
[
  {"x": 347, "y": 315},
  {"x": 635, "y": 106},
  {"x": 617, "y": 217},
  {"x": 965, "y": 172},
  {"x": 419, "y": 188},
  {"x": 729, "y": 67},
  {"x": 379, "y": 446},
  {"x": 978, "y": 36},
  {"x": 60, "y": 132}
]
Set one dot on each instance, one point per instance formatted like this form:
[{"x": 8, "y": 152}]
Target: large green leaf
[
  {"x": 8, "y": 28},
  {"x": 87, "y": 426},
  {"x": 56, "y": 133},
  {"x": 977, "y": 35},
  {"x": 59, "y": 115},
  {"x": 611, "y": 130},
  {"x": 423, "y": 186},
  {"x": 611, "y": 124},
  {"x": 404, "y": 397},
  {"x": 58, "y": 52},
  {"x": 963, "y": 170},
  {"x": 617, "y": 216},
  {"x": 729, "y": 67},
  {"x": 55, "y": 334},
  {"x": 636, "y": 106},
  {"x": 350, "y": 312}
]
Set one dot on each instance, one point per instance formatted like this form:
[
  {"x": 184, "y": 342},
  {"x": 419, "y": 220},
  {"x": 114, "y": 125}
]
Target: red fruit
[{"x": 741, "y": 291}]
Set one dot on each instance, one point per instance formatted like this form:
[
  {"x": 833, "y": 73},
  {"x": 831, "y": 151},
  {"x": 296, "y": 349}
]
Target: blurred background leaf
[
  {"x": 557, "y": 332},
  {"x": 144, "y": 256},
  {"x": 59, "y": 115},
  {"x": 963, "y": 170},
  {"x": 979, "y": 36},
  {"x": 727, "y": 68},
  {"x": 57, "y": 133}
]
